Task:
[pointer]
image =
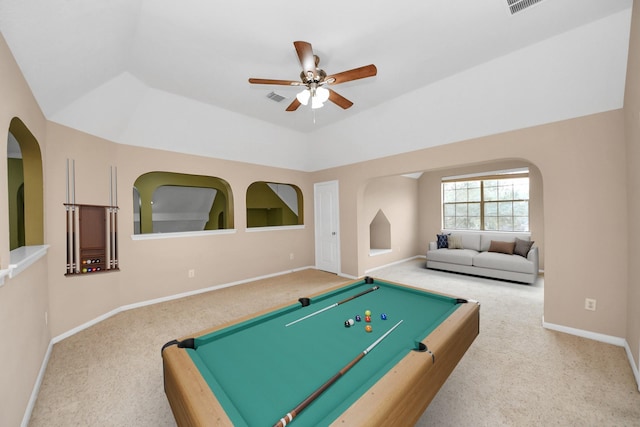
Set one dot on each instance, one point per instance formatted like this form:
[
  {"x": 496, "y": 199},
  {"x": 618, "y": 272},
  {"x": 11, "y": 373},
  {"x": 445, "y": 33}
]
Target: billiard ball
[
  {"x": 367, "y": 312},
  {"x": 349, "y": 323},
  {"x": 383, "y": 316},
  {"x": 367, "y": 318},
  {"x": 368, "y": 328},
  {"x": 358, "y": 318}
]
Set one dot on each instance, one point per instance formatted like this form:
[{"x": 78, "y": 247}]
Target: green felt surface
[{"x": 261, "y": 369}]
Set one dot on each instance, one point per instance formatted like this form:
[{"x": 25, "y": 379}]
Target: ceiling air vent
[
  {"x": 519, "y": 5},
  {"x": 275, "y": 97}
]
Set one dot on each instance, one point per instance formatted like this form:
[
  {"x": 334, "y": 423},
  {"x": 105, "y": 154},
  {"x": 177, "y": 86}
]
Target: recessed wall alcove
[{"x": 379, "y": 234}]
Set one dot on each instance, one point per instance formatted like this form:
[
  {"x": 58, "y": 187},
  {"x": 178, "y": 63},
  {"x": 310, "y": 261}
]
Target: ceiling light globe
[
  {"x": 316, "y": 103},
  {"x": 322, "y": 94},
  {"x": 304, "y": 96}
]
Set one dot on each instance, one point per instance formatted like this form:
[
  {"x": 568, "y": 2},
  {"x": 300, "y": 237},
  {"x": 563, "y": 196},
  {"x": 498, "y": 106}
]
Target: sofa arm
[
  {"x": 433, "y": 246},
  {"x": 534, "y": 258}
]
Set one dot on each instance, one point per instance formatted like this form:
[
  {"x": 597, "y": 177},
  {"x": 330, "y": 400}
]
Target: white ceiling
[{"x": 173, "y": 74}]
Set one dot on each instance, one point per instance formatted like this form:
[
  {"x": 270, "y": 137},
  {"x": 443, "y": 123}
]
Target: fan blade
[
  {"x": 307, "y": 60},
  {"x": 355, "y": 74},
  {"x": 294, "y": 105},
  {"x": 274, "y": 82},
  {"x": 339, "y": 100}
]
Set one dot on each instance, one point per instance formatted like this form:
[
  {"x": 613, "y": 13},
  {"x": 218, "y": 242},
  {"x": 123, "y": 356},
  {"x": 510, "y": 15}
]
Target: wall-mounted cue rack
[{"x": 92, "y": 230}]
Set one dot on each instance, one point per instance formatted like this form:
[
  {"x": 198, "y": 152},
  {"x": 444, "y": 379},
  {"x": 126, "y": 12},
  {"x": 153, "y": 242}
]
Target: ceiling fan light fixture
[
  {"x": 316, "y": 103},
  {"x": 304, "y": 96},
  {"x": 313, "y": 78},
  {"x": 322, "y": 94}
]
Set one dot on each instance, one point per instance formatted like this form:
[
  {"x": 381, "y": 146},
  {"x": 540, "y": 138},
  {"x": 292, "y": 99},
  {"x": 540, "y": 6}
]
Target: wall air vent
[
  {"x": 519, "y": 5},
  {"x": 275, "y": 97}
]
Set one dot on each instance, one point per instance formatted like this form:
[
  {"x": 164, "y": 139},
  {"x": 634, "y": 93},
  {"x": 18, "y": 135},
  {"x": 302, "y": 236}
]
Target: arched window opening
[
  {"x": 272, "y": 204},
  {"x": 167, "y": 202},
  {"x": 24, "y": 165}
]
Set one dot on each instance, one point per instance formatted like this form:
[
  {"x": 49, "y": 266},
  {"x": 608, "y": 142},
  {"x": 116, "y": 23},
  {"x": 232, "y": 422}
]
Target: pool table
[{"x": 255, "y": 370}]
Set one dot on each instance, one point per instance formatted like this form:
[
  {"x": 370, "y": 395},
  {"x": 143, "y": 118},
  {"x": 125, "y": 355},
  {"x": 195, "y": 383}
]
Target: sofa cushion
[
  {"x": 455, "y": 242},
  {"x": 452, "y": 256},
  {"x": 470, "y": 240},
  {"x": 502, "y": 247},
  {"x": 442, "y": 241},
  {"x": 522, "y": 247},
  {"x": 488, "y": 236},
  {"x": 499, "y": 261}
]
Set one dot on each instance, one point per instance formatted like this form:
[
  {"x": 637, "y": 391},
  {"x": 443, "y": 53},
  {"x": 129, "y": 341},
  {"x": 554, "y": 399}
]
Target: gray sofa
[{"x": 489, "y": 254}]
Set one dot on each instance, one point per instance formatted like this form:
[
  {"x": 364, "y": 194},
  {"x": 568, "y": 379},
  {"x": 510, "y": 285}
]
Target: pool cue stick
[
  {"x": 67, "y": 216},
  {"x": 313, "y": 396},
  {"x": 115, "y": 218},
  {"x": 109, "y": 212},
  {"x": 74, "y": 252},
  {"x": 335, "y": 304}
]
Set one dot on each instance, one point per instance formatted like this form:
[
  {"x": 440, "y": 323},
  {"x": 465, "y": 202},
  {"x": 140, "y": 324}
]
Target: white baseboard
[
  {"x": 393, "y": 263},
  {"x": 165, "y": 299},
  {"x": 634, "y": 364},
  {"x": 609, "y": 339},
  {"x": 36, "y": 387}
]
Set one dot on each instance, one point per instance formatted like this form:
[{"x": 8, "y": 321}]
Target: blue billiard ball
[
  {"x": 383, "y": 316},
  {"x": 358, "y": 318}
]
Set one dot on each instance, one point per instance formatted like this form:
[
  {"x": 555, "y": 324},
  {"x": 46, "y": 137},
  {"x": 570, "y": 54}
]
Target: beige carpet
[{"x": 515, "y": 374}]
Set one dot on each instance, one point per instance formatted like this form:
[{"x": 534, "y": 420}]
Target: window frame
[{"x": 482, "y": 201}]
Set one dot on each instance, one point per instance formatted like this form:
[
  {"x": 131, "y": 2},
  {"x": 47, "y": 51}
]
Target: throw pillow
[
  {"x": 442, "y": 241},
  {"x": 455, "y": 242},
  {"x": 502, "y": 247},
  {"x": 522, "y": 247}
]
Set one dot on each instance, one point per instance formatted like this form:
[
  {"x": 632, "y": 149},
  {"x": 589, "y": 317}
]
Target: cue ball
[
  {"x": 367, "y": 318},
  {"x": 349, "y": 323},
  {"x": 367, "y": 312},
  {"x": 383, "y": 316},
  {"x": 368, "y": 328},
  {"x": 358, "y": 318}
]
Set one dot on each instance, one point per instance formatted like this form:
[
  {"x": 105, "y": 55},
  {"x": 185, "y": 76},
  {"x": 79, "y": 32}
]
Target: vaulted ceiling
[{"x": 173, "y": 74}]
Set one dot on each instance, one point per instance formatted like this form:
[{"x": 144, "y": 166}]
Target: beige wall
[
  {"x": 24, "y": 299},
  {"x": 158, "y": 268},
  {"x": 632, "y": 129},
  {"x": 579, "y": 162},
  {"x": 397, "y": 198}
]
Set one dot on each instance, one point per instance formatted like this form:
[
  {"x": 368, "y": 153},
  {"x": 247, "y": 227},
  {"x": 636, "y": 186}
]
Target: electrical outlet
[
  {"x": 291, "y": 255},
  {"x": 192, "y": 273},
  {"x": 590, "y": 304}
]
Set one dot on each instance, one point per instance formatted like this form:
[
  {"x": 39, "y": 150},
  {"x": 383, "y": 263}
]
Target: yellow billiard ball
[{"x": 367, "y": 313}]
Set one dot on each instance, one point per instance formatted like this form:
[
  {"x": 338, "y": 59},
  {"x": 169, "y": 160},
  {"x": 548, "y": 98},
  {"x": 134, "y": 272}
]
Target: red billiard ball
[{"x": 367, "y": 318}]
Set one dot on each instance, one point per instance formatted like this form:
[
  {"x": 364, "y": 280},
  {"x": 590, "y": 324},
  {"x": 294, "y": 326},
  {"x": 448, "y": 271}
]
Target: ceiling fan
[{"x": 314, "y": 79}]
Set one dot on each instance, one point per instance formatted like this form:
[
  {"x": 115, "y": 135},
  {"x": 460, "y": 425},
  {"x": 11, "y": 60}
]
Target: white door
[{"x": 327, "y": 226}]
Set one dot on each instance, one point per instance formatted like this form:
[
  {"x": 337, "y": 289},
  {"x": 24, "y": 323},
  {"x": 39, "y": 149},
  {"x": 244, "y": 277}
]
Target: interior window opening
[
  {"x": 274, "y": 204},
  {"x": 165, "y": 202}
]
